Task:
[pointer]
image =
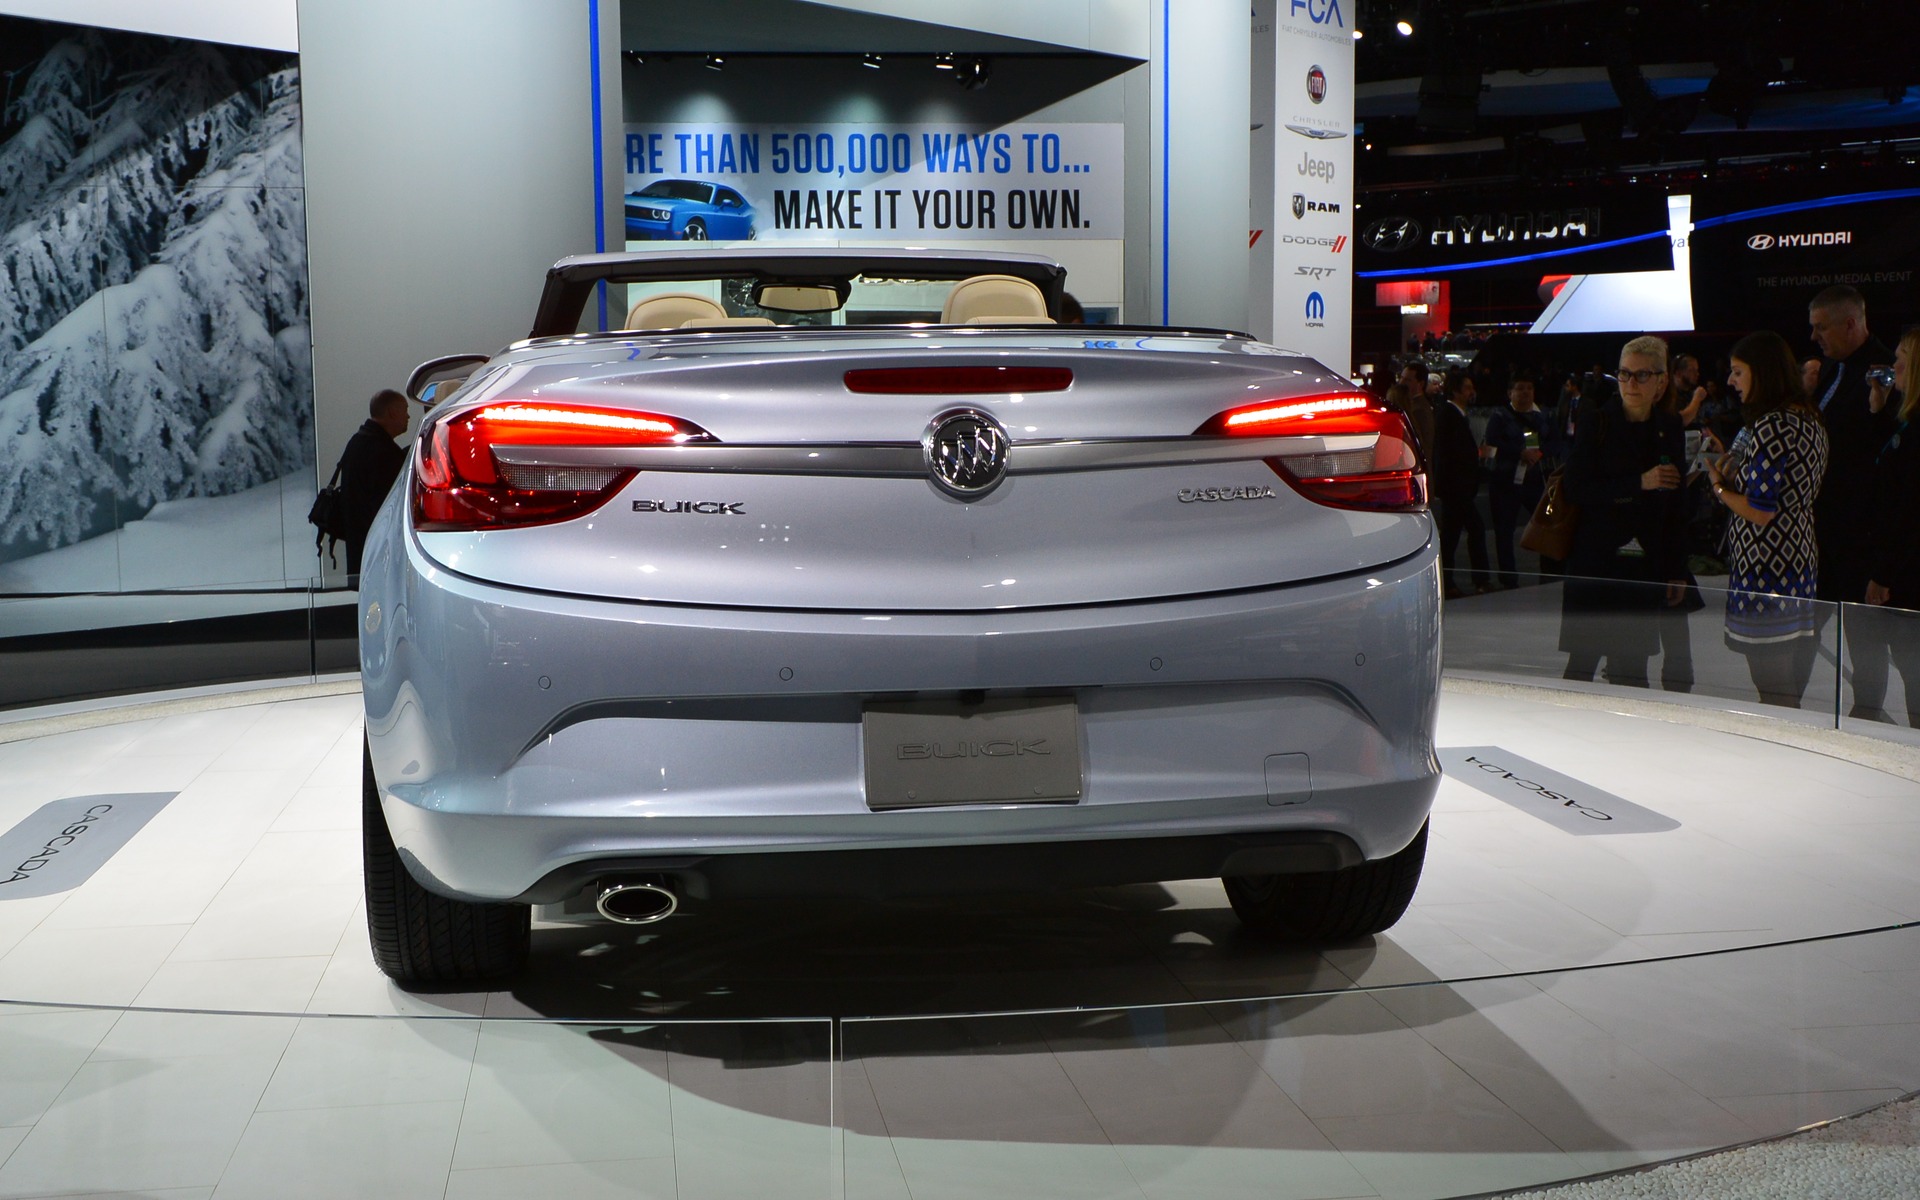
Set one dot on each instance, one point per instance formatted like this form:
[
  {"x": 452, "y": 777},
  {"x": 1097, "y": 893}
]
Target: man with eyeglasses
[{"x": 1842, "y": 514}]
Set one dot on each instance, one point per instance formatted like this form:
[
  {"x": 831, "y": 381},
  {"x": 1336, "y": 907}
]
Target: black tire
[
  {"x": 422, "y": 938},
  {"x": 696, "y": 231},
  {"x": 1330, "y": 906}
]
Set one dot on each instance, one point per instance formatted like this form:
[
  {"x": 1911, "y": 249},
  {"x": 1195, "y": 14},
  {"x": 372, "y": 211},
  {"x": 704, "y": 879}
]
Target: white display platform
[{"x": 1555, "y": 1004}]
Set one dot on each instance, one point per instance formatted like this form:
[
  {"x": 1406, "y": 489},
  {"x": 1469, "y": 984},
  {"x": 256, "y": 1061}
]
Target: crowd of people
[{"x": 1799, "y": 477}]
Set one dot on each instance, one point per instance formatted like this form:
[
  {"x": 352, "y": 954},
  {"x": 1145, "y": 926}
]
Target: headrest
[
  {"x": 983, "y": 299},
  {"x": 726, "y": 322},
  {"x": 671, "y": 310}
]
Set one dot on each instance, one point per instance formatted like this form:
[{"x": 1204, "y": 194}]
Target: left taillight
[
  {"x": 461, "y": 483},
  {"x": 1367, "y": 461}
]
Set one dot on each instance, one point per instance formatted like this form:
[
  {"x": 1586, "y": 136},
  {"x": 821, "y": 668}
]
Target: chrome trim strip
[{"x": 907, "y": 459}]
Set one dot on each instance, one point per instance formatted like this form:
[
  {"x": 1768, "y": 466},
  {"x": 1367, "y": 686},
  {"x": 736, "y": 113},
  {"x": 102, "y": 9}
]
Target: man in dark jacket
[
  {"x": 368, "y": 467},
  {"x": 1842, "y": 515},
  {"x": 1456, "y": 471},
  {"x": 1525, "y": 447}
]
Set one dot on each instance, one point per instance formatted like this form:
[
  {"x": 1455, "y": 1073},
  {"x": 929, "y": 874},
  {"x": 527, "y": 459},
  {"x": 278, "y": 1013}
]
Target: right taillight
[
  {"x": 1366, "y": 458},
  {"x": 461, "y": 483}
]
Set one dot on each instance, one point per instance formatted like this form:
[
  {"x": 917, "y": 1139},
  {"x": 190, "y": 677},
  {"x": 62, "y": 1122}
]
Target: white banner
[
  {"x": 1312, "y": 218},
  {"x": 269, "y": 24},
  {"x": 888, "y": 183}
]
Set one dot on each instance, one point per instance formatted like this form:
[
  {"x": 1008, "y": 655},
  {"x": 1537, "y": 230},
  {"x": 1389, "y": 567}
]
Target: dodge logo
[
  {"x": 1390, "y": 235},
  {"x": 966, "y": 453},
  {"x": 1760, "y": 241}
]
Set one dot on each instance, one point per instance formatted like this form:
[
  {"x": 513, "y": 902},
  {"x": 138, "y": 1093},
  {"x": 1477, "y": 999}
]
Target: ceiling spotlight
[
  {"x": 633, "y": 56},
  {"x": 1357, "y": 35},
  {"x": 943, "y": 62},
  {"x": 1405, "y": 28},
  {"x": 973, "y": 74},
  {"x": 716, "y": 63},
  {"x": 870, "y": 60}
]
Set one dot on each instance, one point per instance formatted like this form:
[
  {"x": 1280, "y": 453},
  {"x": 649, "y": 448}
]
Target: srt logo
[
  {"x": 1316, "y": 84},
  {"x": 1315, "y": 168},
  {"x": 1315, "y": 272},
  {"x": 1319, "y": 12},
  {"x": 1389, "y": 235},
  {"x": 711, "y": 508},
  {"x": 1316, "y": 308}
]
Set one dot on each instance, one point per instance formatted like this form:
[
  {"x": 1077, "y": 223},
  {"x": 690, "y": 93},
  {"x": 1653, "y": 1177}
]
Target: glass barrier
[
  {"x": 1425, "y": 1090},
  {"x": 79, "y": 646},
  {"x": 1881, "y": 696},
  {"x": 1608, "y": 635},
  {"x": 137, "y": 1102}
]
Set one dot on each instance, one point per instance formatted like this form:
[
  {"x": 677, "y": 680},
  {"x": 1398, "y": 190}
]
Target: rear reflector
[
  {"x": 1381, "y": 475},
  {"x": 958, "y": 381},
  {"x": 459, "y": 484}
]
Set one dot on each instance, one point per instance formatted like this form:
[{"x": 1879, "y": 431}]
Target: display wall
[{"x": 156, "y": 400}]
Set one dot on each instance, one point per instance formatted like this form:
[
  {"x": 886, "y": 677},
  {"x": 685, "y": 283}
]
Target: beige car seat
[
  {"x": 671, "y": 310},
  {"x": 995, "y": 299},
  {"x": 726, "y": 323}
]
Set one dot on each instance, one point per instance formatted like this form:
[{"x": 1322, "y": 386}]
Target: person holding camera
[
  {"x": 1837, "y": 318},
  {"x": 1874, "y": 634},
  {"x": 1769, "y": 480}
]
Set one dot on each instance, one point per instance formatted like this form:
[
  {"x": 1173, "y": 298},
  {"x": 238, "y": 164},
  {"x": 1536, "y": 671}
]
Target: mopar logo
[
  {"x": 966, "y": 453},
  {"x": 1320, "y": 12},
  {"x": 1390, "y": 235},
  {"x": 1315, "y": 168},
  {"x": 1316, "y": 309},
  {"x": 1316, "y": 84},
  {"x": 711, "y": 508},
  {"x": 1760, "y": 241}
]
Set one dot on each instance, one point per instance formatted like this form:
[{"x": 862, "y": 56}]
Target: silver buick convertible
[{"x": 852, "y": 573}]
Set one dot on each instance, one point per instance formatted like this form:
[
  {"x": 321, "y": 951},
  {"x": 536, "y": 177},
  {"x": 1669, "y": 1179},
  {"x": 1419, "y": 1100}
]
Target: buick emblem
[
  {"x": 1299, "y": 206},
  {"x": 1316, "y": 84},
  {"x": 1760, "y": 241},
  {"x": 1390, "y": 235},
  {"x": 966, "y": 453}
]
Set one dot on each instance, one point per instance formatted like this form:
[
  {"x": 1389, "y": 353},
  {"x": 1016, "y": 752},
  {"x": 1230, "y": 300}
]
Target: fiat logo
[
  {"x": 1760, "y": 241},
  {"x": 966, "y": 453},
  {"x": 1316, "y": 85}
]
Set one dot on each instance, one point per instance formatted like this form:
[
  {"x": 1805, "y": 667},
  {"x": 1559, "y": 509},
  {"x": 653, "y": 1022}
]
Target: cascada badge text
[
  {"x": 1302, "y": 206},
  {"x": 1794, "y": 241},
  {"x": 1220, "y": 495}
]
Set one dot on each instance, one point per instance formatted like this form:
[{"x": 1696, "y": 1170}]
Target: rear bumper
[{"x": 524, "y": 740}]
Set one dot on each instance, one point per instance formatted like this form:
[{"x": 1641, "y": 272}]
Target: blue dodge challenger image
[{"x": 688, "y": 210}]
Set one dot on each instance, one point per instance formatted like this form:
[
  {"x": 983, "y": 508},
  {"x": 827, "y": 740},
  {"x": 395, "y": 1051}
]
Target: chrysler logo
[
  {"x": 966, "y": 453},
  {"x": 1390, "y": 235},
  {"x": 1760, "y": 241},
  {"x": 1320, "y": 134}
]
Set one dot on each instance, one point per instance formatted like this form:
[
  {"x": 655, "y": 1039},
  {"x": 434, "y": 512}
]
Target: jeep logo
[{"x": 1315, "y": 168}]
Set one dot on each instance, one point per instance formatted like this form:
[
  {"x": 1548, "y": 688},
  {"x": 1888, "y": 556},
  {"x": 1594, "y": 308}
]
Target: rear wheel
[
  {"x": 423, "y": 938},
  {"x": 696, "y": 231},
  {"x": 1330, "y": 906}
]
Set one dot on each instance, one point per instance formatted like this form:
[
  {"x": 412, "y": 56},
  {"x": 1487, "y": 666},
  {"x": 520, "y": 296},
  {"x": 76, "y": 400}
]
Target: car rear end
[{"x": 711, "y": 611}]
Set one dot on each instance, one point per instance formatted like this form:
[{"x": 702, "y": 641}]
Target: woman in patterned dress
[{"x": 1768, "y": 480}]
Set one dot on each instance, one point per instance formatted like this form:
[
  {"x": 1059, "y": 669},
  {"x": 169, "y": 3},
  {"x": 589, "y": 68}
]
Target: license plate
[{"x": 926, "y": 754}]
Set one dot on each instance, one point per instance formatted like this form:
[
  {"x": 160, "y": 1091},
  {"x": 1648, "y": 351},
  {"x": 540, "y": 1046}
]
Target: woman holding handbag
[
  {"x": 1768, "y": 480},
  {"x": 1627, "y": 560}
]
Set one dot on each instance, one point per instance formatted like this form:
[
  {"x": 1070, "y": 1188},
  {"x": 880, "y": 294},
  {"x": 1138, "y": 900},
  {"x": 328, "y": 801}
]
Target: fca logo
[
  {"x": 1320, "y": 11},
  {"x": 1316, "y": 307}
]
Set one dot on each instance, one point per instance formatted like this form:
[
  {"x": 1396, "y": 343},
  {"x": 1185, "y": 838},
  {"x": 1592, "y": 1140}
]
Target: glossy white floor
[{"x": 201, "y": 1017}]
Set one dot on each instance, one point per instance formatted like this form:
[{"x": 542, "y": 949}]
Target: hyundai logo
[
  {"x": 1760, "y": 241},
  {"x": 1316, "y": 84},
  {"x": 966, "y": 453},
  {"x": 1390, "y": 235},
  {"x": 1316, "y": 307}
]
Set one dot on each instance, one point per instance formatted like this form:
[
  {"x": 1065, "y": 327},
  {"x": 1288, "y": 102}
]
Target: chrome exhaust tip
[{"x": 636, "y": 903}]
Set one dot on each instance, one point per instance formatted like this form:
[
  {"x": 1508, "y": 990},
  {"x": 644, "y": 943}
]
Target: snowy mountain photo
[{"x": 153, "y": 294}]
